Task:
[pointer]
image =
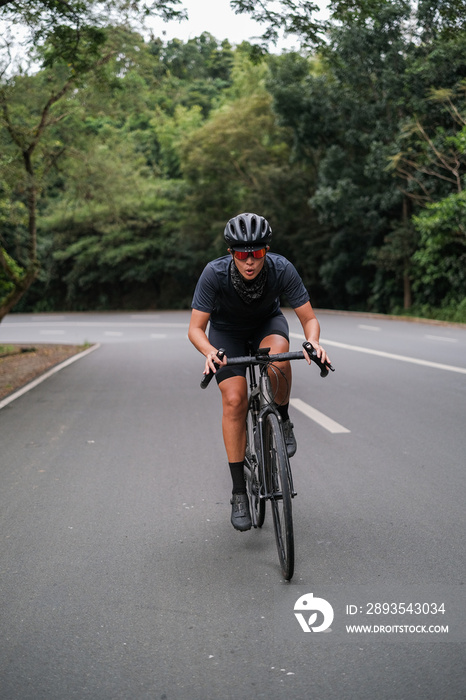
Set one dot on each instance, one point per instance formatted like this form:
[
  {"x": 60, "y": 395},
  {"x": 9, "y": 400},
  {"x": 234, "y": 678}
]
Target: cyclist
[{"x": 239, "y": 294}]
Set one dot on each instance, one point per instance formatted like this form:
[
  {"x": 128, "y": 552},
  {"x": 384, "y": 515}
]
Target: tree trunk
[{"x": 407, "y": 298}]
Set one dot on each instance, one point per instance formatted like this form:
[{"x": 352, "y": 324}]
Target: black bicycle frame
[{"x": 262, "y": 414}]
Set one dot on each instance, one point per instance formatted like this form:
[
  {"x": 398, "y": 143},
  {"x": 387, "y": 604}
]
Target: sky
[{"x": 217, "y": 18}]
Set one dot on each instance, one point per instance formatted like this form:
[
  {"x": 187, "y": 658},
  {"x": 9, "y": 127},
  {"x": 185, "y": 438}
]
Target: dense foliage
[{"x": 122, "y": 158}]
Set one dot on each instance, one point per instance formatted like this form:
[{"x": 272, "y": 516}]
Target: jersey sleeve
[
  {"x": 294, "y": 288},
  {"x": 206, "y": 291}
]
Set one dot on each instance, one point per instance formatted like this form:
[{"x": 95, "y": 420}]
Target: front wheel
[
  {"x": 251, "y": 472},
  {"x": 278, "y": 483}
]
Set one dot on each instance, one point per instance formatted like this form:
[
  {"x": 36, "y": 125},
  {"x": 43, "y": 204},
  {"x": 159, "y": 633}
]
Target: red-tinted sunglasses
[{"x": 244, "y": 254}]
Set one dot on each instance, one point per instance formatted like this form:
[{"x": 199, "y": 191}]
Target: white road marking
[
  {"x": 388, "y": 355},
  {"x": 443, "y": 338},
  {"x": 45, "y": 376},
  {"x": 113, "y": 333},
  {"x": 369, "y": 328},
  {"x": 318, "y": 417}
]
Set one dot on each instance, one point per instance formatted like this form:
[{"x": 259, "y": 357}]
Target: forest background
[{"x": 123, "y": 155}]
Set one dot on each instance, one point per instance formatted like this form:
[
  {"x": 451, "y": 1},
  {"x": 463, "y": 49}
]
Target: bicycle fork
[{"x": 270, "y": 492}]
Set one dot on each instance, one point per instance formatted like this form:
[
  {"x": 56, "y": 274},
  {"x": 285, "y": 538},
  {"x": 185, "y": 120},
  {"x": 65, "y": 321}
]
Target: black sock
[
  {"x": 283, "y": 411},
  {"x": 237, "y": 475}
]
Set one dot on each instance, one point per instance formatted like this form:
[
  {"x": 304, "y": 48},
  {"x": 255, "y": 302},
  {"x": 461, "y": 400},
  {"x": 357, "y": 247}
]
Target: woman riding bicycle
[{"x": 239, "y": 294}]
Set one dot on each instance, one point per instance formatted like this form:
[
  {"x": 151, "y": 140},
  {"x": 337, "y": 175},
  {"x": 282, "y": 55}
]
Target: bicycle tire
[
  {"x": 253, "y": 477},
  {"x": 277, "y": 470}
]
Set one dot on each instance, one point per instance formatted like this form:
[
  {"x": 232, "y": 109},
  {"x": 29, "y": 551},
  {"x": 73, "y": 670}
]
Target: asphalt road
[{"x": 121, "y": 576}]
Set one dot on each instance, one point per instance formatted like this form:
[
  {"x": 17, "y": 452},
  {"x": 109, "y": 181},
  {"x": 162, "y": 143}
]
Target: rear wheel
[{"x": 278, "y": 478}]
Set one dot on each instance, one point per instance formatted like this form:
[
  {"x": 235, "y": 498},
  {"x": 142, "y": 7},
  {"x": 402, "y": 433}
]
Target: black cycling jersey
[{"x": 215, "y": 294}]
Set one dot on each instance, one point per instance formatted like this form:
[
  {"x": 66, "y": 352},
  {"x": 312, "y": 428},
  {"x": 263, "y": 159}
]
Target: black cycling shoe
[
  {"x": 290, "y": 440},
  {"x": 240, "y": 515}
]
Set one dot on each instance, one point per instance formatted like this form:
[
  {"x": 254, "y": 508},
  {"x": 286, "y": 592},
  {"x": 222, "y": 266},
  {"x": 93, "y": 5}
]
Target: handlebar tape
[{"x": 207, "y": 378}]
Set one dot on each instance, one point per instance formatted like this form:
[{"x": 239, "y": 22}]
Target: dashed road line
[
  {"x": 318, "y": 417},
  {"x": 442, "y": 338}
]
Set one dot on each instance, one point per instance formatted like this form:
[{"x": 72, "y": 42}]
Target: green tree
[
  {"x": 114, "y": 226},
  {"x": 441, "y": 256},
  {"x": 72, "y": 30},
  {"x": 128, "y": 198},
  {"x": 234, "y": 161},
  {"x": 284, "y": 17},
  {"x": 377, "y": 68},
  {"x": 32, "y": 154},
  {"x": 433, "y": 166},
  {"x": 12, "y": 219},
  {"x": 72, "y": 41}
]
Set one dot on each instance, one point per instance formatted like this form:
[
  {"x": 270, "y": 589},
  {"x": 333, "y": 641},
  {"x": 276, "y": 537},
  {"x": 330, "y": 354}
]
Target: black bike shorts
[{"x": 235, "y": 342}]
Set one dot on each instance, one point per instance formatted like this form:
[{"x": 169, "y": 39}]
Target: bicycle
[{"x": 267, "y": 466}]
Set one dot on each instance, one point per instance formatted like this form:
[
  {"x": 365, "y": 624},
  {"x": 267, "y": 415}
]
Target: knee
[
  {"x": 276, "y": 343},
  {"x": 235, "y": 404}
]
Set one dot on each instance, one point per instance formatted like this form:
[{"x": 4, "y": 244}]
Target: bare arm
[
  {"x": 197, "y": 335},
  {"x": 311, "y": 328}
]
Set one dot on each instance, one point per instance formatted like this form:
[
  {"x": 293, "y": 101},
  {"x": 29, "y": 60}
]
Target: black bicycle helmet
[{"x": 248, "y": 232}]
